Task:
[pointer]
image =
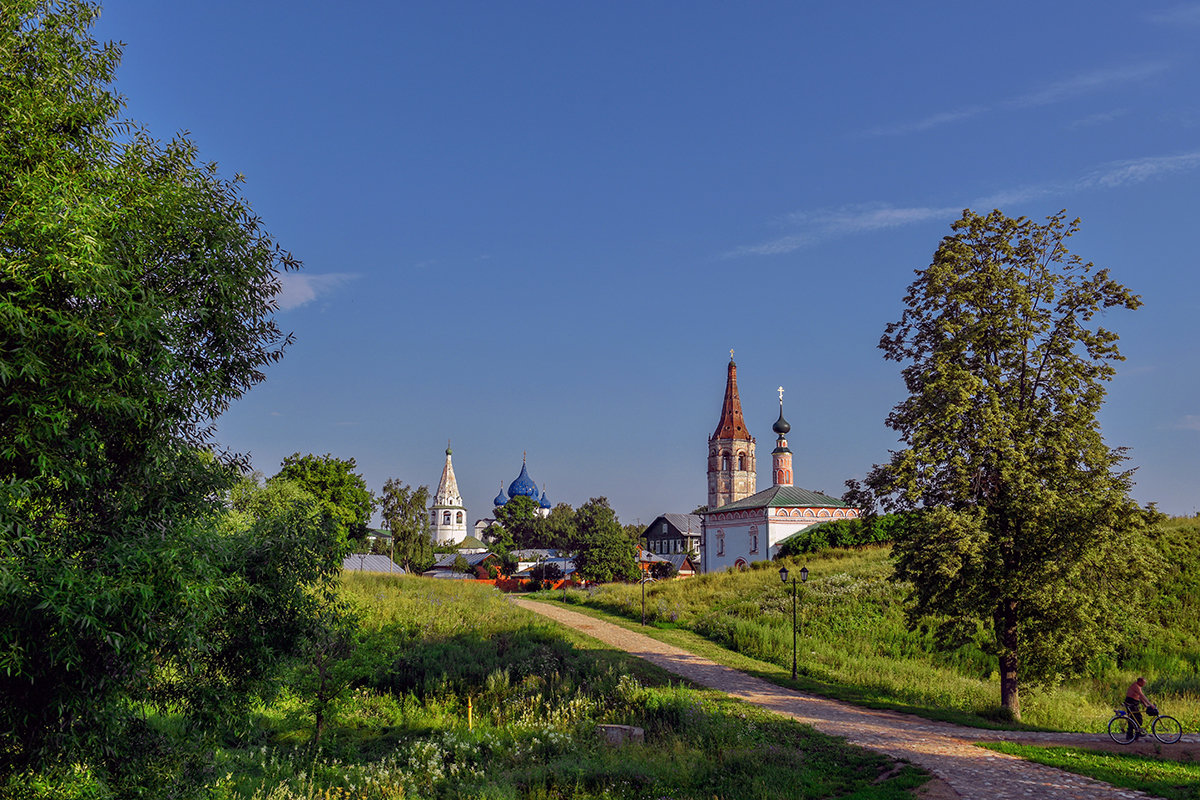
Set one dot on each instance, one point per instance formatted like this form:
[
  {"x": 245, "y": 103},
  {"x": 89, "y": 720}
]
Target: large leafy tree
[
  {"x": 333, "y": 481},
  {"x": 520, "y": 517},
  {"x": 603, "y": 552},
  {"x": 1025, "y": 529},
  {"x": 405, "y": 514},
  {"x": 136, "y": 300}
]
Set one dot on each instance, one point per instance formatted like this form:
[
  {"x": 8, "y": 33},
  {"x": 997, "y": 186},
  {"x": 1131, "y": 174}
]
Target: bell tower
[
  {"x": 731, "y": 467},
  {"x": 781, "y": 456},
  {"x": 447, "y": 515}
]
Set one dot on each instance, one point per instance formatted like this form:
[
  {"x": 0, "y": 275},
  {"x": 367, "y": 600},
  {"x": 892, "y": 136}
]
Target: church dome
[
  {"x": 781, "y": 425},
  {"x": 500, "y": 498},
  {"x": 545, "y": 501},
  {"x": 523, "y": 485}
]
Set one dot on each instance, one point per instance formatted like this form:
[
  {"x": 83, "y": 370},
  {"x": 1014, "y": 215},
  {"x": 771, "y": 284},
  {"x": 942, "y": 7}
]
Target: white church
[{"x": 741, "y": 524}]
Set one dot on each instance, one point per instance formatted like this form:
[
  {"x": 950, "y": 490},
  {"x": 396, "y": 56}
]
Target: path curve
[{"x": 944, "y": 749}]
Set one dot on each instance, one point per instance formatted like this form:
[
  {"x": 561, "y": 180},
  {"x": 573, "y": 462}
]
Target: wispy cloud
[
  {"x": 298, "y": 289},
  {"x": 810, "y": 227},
  {"x": 1120, "y": 173},
  {"x": 1183, "y": 14},
  {"x": 1073, "y": 86},
  {"x": 1191, "y": 422},
  {"x": 1086, "y": 82},
  {"x": 1099, "y": 118}
]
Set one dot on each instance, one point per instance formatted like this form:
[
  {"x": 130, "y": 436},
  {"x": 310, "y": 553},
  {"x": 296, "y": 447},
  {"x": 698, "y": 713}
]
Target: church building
[
  {"x": 447, "y": 515},
  {"x": 742, "y": 525}
]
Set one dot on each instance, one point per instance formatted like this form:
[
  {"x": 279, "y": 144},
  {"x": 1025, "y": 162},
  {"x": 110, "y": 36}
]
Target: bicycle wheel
[
  {"x": 1121, "y": 729},
  {"x": 1166, "y": 729}
]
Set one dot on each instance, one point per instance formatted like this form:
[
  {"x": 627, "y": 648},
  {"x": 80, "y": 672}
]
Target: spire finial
[
  {"x": 731, "y": 354},
  {"x": 781, "y": 396},
  {"x": 524, "y": 455}
]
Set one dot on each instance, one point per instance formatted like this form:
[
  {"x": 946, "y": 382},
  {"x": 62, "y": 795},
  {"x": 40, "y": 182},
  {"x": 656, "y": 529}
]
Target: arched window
[
  {"x": 753, "y": 538},
  {"x": 458, "y": 518},
  {"x": 445, "y": 517},
  {"x": 742, "y": 462},
  {"x": 720, "y": 543},
  {"x": 433, "y": 518},
  {"x": 740, "y": 563},
  {"x": 724, "y": 462}
]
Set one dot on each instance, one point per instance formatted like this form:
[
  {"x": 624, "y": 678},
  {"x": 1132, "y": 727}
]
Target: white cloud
[
  {"x": 298, "y": 289},
  {"x": 1064, "y": 89},
  {"x": 1183, "y": 14},
  {"x": 1098, "y": 118},
  {"x": 1191, "y": 422},
  {"x": 809, "y": 227},
  {"x": 1120, "y": 173},
  {"x": 1087, "y": 82}
]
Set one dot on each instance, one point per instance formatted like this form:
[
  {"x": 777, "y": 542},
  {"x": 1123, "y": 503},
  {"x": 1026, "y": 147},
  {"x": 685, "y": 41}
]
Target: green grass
[
  {"x": 854, "y": 643},
  {"x": 536, "y": 691},
  {"x": 1174, "y": 780}
]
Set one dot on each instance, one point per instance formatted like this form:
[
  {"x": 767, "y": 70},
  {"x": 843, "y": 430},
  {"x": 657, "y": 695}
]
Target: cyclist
[{"x": 1135, "y": 698}]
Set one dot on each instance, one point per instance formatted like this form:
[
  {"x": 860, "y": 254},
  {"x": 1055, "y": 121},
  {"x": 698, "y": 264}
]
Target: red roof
[{"x": 732, "y": 426}]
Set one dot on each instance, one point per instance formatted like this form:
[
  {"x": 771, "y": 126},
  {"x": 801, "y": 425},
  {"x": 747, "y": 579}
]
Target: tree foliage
[
  {"x": 136, "y": 301},
  {"x": 603, "y": 552},
  {"x": 405, "y": 515},
  {"x": 520, "y": 517},
  {"x": 1025, "y": 519},
  {"x": 335, "y": 484}
]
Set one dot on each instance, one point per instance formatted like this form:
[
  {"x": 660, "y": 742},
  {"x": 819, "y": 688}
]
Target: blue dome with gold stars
[{"x": 523, "y": 485}]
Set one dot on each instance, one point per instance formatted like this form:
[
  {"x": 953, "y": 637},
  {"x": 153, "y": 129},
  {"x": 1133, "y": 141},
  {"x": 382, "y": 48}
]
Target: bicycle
[{"x": 1124, "y": 729}]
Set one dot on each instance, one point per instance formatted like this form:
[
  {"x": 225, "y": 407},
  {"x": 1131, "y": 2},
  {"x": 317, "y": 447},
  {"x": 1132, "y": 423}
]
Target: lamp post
[{"x": 783, "y": 576}]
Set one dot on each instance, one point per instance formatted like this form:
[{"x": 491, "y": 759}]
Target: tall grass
[
  {"x": 853, "y": 636},
  {"x": 431, "y": 653}
]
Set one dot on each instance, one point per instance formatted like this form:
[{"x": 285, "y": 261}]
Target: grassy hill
[{"x": 853, "y": 641}]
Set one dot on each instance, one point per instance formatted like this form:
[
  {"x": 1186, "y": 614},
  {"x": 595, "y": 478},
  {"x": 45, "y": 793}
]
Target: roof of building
[
  {"x": 446, "y": 560},
  {"x": 371, "y": 563},
  {"x": 686, "y": 523},
  {"x": 778, "y": 496},
  {"x": 471, "y": 543},
  {"x": 523, "y": 485},
  {"x": 731, "y": 425},
  {"x": 447, "y": 491}
]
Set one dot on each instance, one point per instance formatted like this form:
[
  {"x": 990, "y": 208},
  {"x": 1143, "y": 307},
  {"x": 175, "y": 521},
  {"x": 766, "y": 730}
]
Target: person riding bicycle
[{"x": 1135, "y": 698}]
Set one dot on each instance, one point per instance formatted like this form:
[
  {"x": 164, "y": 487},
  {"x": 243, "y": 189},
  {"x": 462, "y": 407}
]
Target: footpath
[{"x": 946, "y": 750}]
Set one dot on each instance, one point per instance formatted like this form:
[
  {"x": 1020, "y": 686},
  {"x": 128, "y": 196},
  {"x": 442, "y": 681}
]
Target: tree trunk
[{"x": 1006, "y": 628}]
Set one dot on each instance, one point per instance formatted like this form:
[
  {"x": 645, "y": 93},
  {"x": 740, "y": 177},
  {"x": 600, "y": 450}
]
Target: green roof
[
  {"x": 471, "y": 543},
  {"x": 778, "y": 496}
]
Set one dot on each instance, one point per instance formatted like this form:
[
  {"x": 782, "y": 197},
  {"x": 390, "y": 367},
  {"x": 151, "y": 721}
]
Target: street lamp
[{"x": 783, "y": 576}]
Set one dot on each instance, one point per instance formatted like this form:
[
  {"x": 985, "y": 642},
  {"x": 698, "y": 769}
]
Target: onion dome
[
  {"x": 500, "y": 498},
  {"x": 545, "y": 501},
  {"x": 781, "y": 425},
  {"x": 523, "y": 485}
]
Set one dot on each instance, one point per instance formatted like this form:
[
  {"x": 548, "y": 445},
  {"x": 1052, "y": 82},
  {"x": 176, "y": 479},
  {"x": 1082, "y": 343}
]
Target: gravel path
[{"x": 944, "y": 749}]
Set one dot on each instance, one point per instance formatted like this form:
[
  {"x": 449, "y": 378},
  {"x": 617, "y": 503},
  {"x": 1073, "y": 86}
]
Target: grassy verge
[
  {"x": 433, "y": 655},
  {"x": 779, "y": 675},
  {"x": 1173, "y": 780},
  {"x": 854, "y": 643}
]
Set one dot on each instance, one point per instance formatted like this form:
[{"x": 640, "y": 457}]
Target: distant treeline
[{"x": 843, "y": 533}]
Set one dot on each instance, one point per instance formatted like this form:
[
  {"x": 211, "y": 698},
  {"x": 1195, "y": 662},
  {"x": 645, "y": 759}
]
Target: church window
[
  {"x": 742, "y": 462},
  {"x": 724, "y": 462},
  {"x": 433, "y": 518},
  {"x": 445, "y": 517},
  {"x": 754, "y": 539},
  {"x": 458, "y": 518},
  {"x": 720, "y": 543}
]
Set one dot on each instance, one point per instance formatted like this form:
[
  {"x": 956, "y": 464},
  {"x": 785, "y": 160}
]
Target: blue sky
[{"x": 541, "y": 226}]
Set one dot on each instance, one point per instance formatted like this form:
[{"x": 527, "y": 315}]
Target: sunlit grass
[
  {"x": 854, "y": 641},
  {"x": 1173, "y": 780}
]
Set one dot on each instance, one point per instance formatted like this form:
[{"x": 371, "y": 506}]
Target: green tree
[
  {"x": 520, "y": 517},
  {"x": 603, "y": 552},
  {"x": 1025, "y": 516},
  {"x": 334, "y": 483},
  {"x": 136, "y": 301},
  {"x": 560, "y": 527},
  {"x": 405, "y": 514}
]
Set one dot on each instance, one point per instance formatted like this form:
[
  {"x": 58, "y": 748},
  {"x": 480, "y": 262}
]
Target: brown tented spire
[{"x": 731, "y": 426}]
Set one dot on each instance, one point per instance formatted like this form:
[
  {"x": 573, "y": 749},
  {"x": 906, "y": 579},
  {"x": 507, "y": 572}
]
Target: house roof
[
  {"x": 446, "y": 560},
  {"x": 778, "y": 496},
  {"x": 471, "y": 543},
  {"x": 684, "y": 523},
  {"x": 370, "y": 563}
]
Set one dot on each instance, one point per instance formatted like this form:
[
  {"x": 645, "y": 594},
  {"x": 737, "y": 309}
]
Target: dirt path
[{"x": 946, "y": 750}]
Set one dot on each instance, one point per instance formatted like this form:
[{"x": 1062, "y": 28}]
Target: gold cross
[
  {"x": 731, "y": 354},
  {"x": 780, "y": 395}
]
